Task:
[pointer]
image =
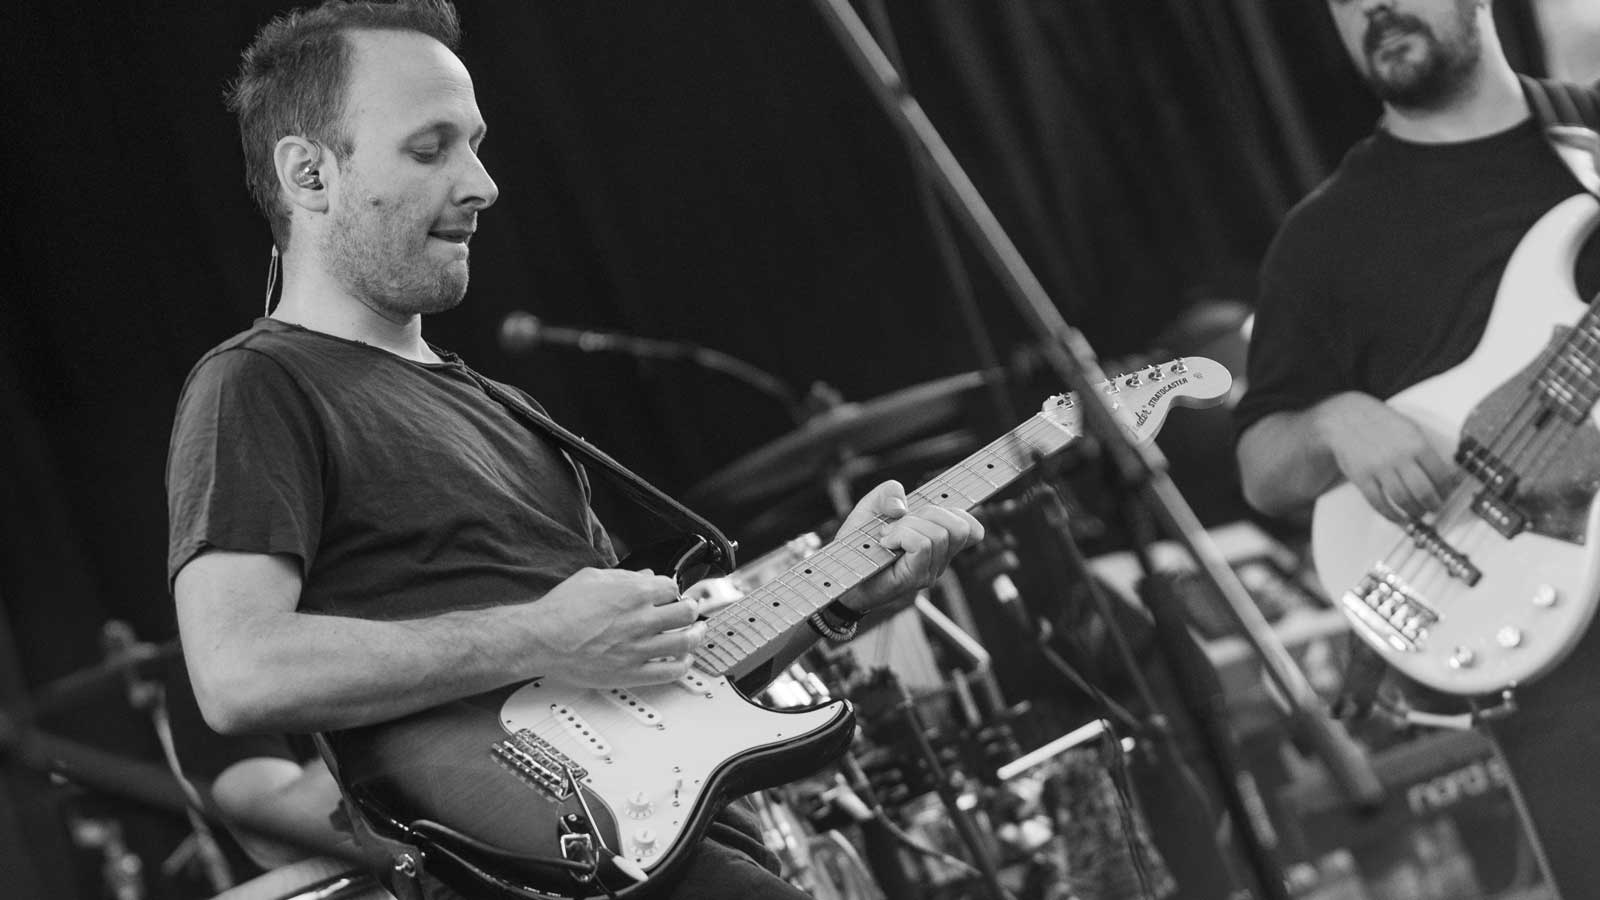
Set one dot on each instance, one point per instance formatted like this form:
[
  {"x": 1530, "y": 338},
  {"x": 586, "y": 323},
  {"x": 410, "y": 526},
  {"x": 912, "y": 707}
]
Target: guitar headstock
[{"x": 1141, "y": 399}]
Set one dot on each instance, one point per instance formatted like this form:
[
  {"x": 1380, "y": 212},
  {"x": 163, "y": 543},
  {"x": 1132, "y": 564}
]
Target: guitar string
[
  {"x": 1536, "y": 446},
  {"x": 1523, "y": 448},
  {"x": 730, "y": 622}
]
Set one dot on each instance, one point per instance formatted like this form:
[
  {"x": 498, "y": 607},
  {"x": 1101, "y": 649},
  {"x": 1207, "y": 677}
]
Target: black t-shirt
[
  {"x": 1385, "y": 275},
  {"x": 400, "y": 487}
]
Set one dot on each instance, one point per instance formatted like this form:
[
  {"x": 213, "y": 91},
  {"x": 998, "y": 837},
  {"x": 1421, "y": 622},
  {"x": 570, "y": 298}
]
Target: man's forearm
[
  {"x": 1284, "y": 463},
  {"x": 296, "y": 672}
]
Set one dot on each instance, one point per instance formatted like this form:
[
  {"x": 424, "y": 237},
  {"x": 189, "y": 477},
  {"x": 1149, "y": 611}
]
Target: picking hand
[
  {"x": 614, "y": 628},
  {"x": 928, "y": 537},
  {"x": 1388, "y": 458}
]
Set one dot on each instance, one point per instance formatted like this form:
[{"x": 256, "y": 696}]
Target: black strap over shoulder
[
  {"x": 1561, "y": 103},
  {"x": 1570, "y": 117},
  {"x": 630, "y": 483}
]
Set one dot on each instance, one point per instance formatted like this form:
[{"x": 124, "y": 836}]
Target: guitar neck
[
  {"x": 1568, "y": 382},
  {"x": 750, "y": 628}
]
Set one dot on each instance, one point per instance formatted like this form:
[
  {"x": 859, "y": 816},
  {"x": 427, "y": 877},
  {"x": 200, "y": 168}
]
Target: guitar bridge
[
  {"x": 538, "y": 764},
  {"x": 1389, "y": 610}
]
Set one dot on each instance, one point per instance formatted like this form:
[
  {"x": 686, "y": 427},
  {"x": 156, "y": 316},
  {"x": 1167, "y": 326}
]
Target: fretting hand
[{"x": 929, "y": 537}]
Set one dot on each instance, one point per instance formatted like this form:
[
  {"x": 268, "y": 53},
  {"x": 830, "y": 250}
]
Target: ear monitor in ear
[{"x": 308, "y": 178}]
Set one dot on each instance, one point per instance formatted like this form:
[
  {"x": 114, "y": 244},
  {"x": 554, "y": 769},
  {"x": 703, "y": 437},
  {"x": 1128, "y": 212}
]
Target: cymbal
[{"x": 803, "y": 455}]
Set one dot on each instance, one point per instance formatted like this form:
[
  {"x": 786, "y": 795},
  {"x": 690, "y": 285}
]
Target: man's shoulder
[
  {"x": 267, "y": 351},
  {"x": 268, "y": 342}
]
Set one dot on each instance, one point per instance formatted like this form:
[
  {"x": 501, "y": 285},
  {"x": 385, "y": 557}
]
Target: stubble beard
[
  {"x": 381, "y": 255},
  {"x": 1437, "y": 76}
]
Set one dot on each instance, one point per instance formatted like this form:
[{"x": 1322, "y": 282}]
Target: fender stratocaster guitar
[
  {"x": 545, "y": 789},
  {"x": 1497, "y": 586}
]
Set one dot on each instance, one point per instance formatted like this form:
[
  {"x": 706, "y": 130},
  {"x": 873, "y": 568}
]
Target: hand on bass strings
[
  {"x": 1388, "y": 458},
  {"x": 928, "y": 536},
  {"x": 614, "y": 628}
]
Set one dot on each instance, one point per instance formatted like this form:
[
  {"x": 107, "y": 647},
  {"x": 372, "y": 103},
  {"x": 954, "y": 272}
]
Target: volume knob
[
  {"x": 644, "y": 841},
  {"x": 639, "y": 806}
]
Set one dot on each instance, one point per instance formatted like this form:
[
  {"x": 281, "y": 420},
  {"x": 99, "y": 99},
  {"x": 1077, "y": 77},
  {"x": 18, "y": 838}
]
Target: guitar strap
[
  {"x": 642, "y": 492},
  {"x": 1571, "y": 118}
]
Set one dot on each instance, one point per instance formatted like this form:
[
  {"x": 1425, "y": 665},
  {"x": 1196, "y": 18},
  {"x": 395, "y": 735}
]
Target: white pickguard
[
  {"x": 651, "y": 762},
  {"x": 1508, "y": 630}
]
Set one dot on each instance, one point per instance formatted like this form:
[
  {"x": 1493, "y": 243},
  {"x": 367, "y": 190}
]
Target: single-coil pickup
[
  {"x": 630, "y": 703},
  {"x": 1454, "y": 561},
  {"x": 538, "y": 764},
  {"x": 580, "y": 730},
  {"x": 1382, "y": 600},
  {"x": 1491, "y": 471},
  {"x": 695, "y": 683}
]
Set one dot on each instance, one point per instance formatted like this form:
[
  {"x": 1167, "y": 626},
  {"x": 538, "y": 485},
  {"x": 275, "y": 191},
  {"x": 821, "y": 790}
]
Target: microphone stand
[
  {"x": 527, "y": 328},
  {"x": 1141, "y": 469}
]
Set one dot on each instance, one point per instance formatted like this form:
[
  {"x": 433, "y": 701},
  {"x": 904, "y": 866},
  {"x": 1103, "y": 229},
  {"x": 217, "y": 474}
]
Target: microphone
[{"x": 522, "y": 331}]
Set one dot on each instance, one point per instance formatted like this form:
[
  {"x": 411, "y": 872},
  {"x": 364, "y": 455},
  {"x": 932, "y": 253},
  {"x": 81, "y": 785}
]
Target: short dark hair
[{"x": 292, "y": 80}]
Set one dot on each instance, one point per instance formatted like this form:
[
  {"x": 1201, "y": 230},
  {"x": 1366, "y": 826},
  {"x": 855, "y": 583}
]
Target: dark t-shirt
[
  {"x": 400, "y": 488},
  {"x": 1385, "y": 275}
]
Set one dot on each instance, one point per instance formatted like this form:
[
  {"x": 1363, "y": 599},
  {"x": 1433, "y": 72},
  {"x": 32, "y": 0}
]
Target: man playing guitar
[
  {"x": 1385, "y": 277},
  {"x": 358, "y": 530}
]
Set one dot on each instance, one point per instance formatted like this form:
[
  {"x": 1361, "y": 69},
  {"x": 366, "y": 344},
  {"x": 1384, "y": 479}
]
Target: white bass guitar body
[{"x": 1496, "y": 587}]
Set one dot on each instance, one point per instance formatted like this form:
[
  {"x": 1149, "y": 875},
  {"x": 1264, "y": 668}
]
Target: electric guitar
[
  {"x": 546, "y": 789},
  {"x": 1497, "y": 586}
]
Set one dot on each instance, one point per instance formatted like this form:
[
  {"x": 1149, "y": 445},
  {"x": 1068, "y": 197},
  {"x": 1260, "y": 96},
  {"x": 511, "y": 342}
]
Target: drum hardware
[
  {"x": 796, "y": 459},
  {"x": 128, "y": 663},
  {"x": 947, "y": 788}
]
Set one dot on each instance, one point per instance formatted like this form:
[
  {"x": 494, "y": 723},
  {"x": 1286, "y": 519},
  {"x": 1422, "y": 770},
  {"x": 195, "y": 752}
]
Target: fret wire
[
  {"x": 1589, "y": 387},
  {"x": 842, "y": 570},
  {"x": 808, "y": 603},
  {"x": 847, "y": 558},
  {"x": 827, "y": 590},
  {"x": 971, "y": 465},
  {"x": 729, "y": 633},
  {"x": 774, "y": 606},
  {"x": 754, "y": 614}
]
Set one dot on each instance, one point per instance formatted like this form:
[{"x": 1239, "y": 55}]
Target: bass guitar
[
  {"x": 1497, "y": 586},
  {"x": 545, "y": 789}
]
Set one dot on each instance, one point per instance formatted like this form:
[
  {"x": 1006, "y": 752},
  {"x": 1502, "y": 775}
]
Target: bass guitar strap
[{"x": 1570, "y": 116}]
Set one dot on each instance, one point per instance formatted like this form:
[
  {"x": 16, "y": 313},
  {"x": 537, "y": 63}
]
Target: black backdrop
[{"x": 708, "y": 171}]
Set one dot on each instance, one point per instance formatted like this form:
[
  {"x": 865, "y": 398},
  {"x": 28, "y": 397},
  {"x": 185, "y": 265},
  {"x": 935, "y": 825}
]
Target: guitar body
[
  {"x": 658, "y": 764},
  {"x": 1537, "y": 588}
]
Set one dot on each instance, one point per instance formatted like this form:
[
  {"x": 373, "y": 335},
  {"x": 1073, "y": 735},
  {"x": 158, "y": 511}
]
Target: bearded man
[{"x": 1385, "y": 276}]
